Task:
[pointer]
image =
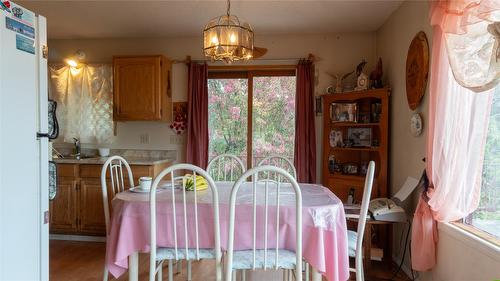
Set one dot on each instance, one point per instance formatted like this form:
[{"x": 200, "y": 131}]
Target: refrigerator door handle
[{"x": 42, "y": 135}]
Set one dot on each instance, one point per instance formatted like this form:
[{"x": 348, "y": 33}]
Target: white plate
[{"x": 138, "y": 189}]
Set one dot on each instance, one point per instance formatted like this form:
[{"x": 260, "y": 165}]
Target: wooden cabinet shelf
[
  {"x": 347, "y": 124},
  {"x": 347, "y": 177},
  {"x": 374, "y": 148}
]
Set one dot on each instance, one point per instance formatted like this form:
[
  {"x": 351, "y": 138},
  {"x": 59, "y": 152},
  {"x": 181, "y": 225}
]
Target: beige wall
[
  {"x": 337, "y": 53},
  {"x": 459, "y": 257},
  {"x": 406, "y": 151}
]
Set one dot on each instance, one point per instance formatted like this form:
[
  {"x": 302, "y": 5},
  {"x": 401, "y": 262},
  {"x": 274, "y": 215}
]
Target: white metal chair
[
  {"x": 187, "y": 252},
  {"x": 115, "y": 166},
  {"x": 355, "y": 239},
  {"x": 281, "y": 162},
  {"x": 226, "y": 167},
  {"x": 266, "y": 257}
]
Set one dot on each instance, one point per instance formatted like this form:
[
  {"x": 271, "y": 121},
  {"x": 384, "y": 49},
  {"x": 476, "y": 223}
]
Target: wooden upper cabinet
[{"x": 141, "y": 87}]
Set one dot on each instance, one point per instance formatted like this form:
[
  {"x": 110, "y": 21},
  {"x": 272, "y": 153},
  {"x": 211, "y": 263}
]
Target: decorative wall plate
[
  {"x": 416, "y": 124},
  {"x": 417, "y": 69}
]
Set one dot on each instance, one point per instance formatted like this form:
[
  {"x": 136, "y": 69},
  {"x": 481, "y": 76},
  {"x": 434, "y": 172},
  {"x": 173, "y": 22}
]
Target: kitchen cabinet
[
  {"x": 63, "y": 216},
  {"x": 141, "y": 88},
  {"x": 77, "y": 208},
  {"x": 91, "y": 214}
]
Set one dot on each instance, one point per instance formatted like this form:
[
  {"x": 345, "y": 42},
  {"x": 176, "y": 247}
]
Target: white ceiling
[{"x": 108, "y": 19}]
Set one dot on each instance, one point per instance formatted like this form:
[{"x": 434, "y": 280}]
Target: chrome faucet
[{"x": 77, "y": 149}]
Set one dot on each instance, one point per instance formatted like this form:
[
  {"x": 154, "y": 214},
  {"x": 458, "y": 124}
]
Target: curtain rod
[{"x": 188, "y": 59}]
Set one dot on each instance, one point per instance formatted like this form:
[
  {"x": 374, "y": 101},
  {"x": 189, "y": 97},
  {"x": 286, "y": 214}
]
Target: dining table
[{"x": 324, "y": 228}]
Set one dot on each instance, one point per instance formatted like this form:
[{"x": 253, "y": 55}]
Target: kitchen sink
[{"x": 81, "y": 157}]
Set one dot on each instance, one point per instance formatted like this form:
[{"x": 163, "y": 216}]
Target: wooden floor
[{"x": 84, "y": 261}]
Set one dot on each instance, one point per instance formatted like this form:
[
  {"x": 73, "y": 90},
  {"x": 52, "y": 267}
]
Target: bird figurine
[
  {"x": 376, "y": 75},
  {"x": 339, "y": 79},
  {"x": 359, "y": 68}
]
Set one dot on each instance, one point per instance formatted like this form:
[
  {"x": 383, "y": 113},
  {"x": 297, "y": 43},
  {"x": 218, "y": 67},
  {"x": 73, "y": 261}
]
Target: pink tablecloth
[{"x": 324, "y": 231}]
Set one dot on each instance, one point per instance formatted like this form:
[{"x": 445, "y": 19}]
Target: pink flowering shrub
[{"x": 273, "y": 116}]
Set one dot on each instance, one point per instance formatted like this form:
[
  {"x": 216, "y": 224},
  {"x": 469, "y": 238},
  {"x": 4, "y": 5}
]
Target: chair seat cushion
[
  {"x": 244, "y": 259},
  {"x": 352, "y": 237},
  {"x": 169, "y": 254}
]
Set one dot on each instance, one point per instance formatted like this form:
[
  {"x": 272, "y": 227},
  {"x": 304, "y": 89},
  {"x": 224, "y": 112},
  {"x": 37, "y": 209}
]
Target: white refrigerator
[{"x": 24, "y": 201}]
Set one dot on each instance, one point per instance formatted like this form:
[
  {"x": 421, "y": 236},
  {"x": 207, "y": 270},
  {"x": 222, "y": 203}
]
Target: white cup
[
  {"x": 103, "y": 152},
  {"x": 145, "y": 182}
]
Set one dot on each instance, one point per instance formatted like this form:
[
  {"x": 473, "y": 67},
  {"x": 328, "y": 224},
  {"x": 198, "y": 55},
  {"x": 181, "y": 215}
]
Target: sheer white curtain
[{"x": 84, "y": 97}]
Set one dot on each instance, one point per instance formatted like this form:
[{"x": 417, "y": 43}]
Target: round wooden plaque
[{"x": 417, "y": 69}]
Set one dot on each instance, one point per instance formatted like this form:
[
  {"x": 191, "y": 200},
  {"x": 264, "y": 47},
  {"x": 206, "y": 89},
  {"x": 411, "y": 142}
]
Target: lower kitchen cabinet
[
  {"x": 63, "y": 209},
  {"x": 91, "y": 207},
  {"x": 77, "y": 208}
]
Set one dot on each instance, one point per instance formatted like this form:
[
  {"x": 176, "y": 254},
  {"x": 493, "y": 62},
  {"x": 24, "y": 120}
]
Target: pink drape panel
[
  {"x": 458, "y": 126},
  {"x": 197, "y": 125},
  {"x": 305, "y": 133},
  {"x": 455, "y": 16}
]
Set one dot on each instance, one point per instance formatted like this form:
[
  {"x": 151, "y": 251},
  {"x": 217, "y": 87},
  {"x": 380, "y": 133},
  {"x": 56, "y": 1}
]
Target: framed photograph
[
  {"x": 336, "y": 139},
  {"x": 343, "y": 112},
  {"x": 360, "y": 137},
  {"x": 350, "y": 168}
]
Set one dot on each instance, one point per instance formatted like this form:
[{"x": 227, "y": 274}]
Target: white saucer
[
  {"x": 138, "y": 189},
  {"x": 169, "y": 185}
]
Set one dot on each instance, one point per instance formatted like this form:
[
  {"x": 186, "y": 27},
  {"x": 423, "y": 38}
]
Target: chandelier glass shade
[{"x": 226, "y": 38}]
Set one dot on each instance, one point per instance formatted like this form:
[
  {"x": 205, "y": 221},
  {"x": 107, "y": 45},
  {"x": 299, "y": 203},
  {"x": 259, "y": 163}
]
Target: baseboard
[
  {"x": 82, "y": 238},
  {"x": 406, "y": 268}
]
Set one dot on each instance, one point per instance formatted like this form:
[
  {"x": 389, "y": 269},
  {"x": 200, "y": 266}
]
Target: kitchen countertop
[{"x": 100, "y": 160}]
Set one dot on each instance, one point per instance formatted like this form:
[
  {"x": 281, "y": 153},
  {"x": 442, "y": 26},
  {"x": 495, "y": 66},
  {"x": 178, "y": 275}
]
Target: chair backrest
[
  {"x": 193, "y": 172},
  {"x": 114, "y": 165},
  {"x": 226, "y": 167},
  {"x": 281, "y": 162},
  {"x": 281, "y": 176},
  {"x": 362, "y": 220}
]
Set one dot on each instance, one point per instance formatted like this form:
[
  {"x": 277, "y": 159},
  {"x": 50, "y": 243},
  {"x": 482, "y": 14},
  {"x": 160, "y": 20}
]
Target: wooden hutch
[
  {"x": 371, "y": 116},
  {"x": 356, "y": 131}
]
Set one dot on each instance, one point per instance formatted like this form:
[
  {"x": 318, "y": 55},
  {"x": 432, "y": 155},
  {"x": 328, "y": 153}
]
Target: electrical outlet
[{"x": 144, "y": 138}]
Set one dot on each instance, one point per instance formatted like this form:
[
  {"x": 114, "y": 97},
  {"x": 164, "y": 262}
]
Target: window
[
  {"x": 84, "y": 97},
  {"x": 251, "y": 114},
  {"x": 487, "y": 216}
]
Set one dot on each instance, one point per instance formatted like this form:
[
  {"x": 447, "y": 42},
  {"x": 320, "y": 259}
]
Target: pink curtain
[
  {"x": 458, "y": 126},
  {"x": 457, "y": 16},
  {"x": 197, "y": 125},
  {"x": 305, "y": 134}
]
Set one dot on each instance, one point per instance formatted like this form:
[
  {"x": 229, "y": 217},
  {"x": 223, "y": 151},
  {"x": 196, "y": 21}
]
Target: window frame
[
  {"x": 466, "y": 223},
  {"x": 249, "y": 72},
  {"x": 470, "y": 228}
]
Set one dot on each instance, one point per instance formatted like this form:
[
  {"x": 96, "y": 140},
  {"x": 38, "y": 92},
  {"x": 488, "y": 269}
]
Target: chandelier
[{"x": 227, "y": 39}]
